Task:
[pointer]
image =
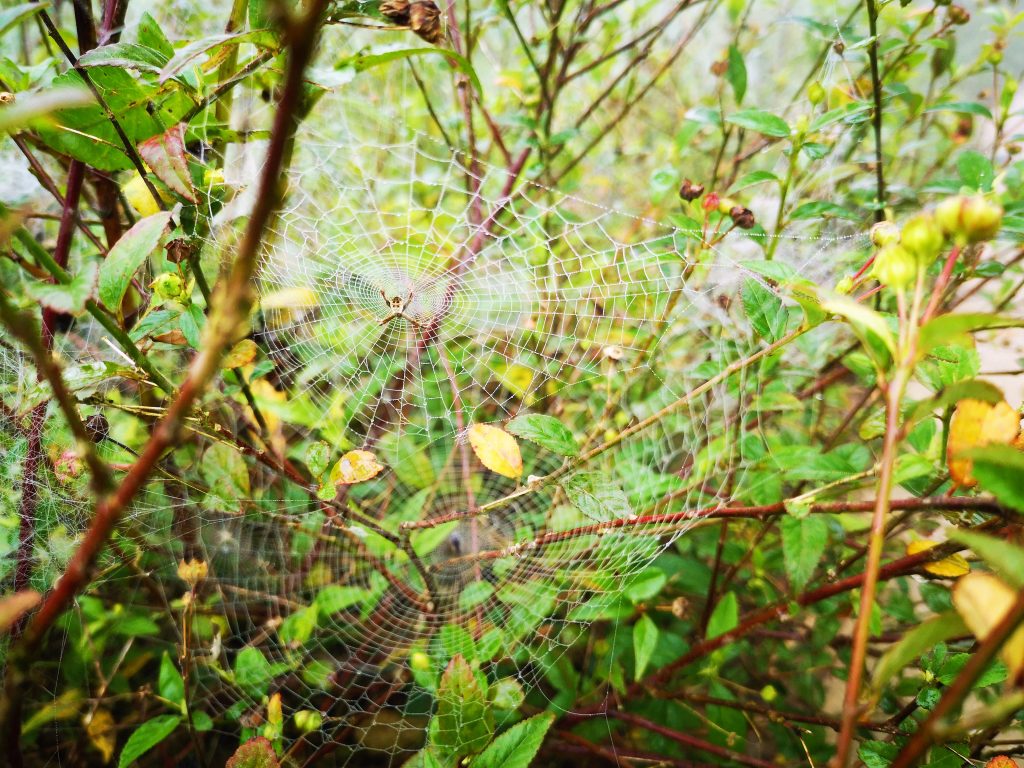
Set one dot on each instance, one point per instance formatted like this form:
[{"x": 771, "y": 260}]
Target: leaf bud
[{"x": 308, "y": 720}]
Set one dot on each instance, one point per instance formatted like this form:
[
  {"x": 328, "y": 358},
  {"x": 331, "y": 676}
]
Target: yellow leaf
[
  {"x": 982, "y": 600},
  {"x": 496, "y": 449},
  {"x": 518, "y": 379},
  {"x": 102, "y": 733},
  {"x": 951, "y": 567},
  {"x": 355, "y": 467},
  {"x": 243, "y": 353},
  {"x": 137, "y": 193},
  {"x": 13, "y": 607},
  {"x": 976, "y": 423},
  {"x": 289, "y": 298}
]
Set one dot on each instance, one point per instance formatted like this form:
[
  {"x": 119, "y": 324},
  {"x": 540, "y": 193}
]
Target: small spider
[{"x": 398, "y": 305}]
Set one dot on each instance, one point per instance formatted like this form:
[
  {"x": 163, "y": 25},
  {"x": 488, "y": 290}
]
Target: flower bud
[
  {"x": 815, "y": 93},
  {"x": 923, "y": 238},
  {"x": 711, "y": 201},
  {"x": 844, "y": 286},
  {"x": 192, "y": 572},
  {"x": 168, "y": 286},
  {"x": 957, "y": 14},
  {"x": 885, "y": 233},
  {"x": 308, "y": 720},
  {"x": 969, "y": 219},
  {"x": 419, "y": 661},
  {"x": 895, "y": 267},
  {"x": 725, "y": 205},
  {"x": 690, "y": 191},
  {"x": 742, "y": 217},
  {"x": 769, "y": 693}
]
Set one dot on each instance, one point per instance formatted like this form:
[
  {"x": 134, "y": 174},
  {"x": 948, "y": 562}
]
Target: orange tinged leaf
[
  {"x": 951, "y": 567},
  {"x": 355, "y": 467},
  {"x": 243, "y": 353},
  {"x": 497, "y": 450},
  {"x": 102, "y": 733},
  {"x": 976, "y": 423},
  {"x": 982, "y": 600}
]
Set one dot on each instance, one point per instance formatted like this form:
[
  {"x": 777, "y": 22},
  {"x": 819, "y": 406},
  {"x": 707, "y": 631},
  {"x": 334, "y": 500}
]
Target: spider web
[{"x": 406, "y": 293}]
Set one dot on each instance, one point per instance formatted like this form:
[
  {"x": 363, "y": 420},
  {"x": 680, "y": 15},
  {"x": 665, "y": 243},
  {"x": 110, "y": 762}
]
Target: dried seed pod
[
  {"x": 742, "y": 217},
  {"x": 690, "y": 191},
  {"x": 425, "y": 21},
  {"x": 98, "y": 427},
  {"x": 6, "y": 97},
  {"x": 957, "y": 14},
  {"x": 395, "y": 10}
]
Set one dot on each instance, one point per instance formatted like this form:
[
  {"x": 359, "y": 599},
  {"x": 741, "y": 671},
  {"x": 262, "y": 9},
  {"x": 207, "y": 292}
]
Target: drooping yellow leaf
[
  {"x": 102, "y": 733},
  {"x": 243, "y": 353},
  {"x": 355, "y": 467},
  {"x": 982, "y": 600},
  {"x": 496, "y": 449},
  {"x": 951, "y": 567},
  {"x": 976, "y": 423}
]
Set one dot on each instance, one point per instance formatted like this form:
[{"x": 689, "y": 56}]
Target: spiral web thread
[{"x": 554, "y": 300}]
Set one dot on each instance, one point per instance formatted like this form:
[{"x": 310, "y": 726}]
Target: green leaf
[
  {"x": 147, "y": 736},
  {"x": 645, "y": 639},
  {"x": 128, "y": 254},
  {"x": 463, "y": 723},
  {"x": 975, "y": 170},
  {"x": 215, "y": 46},
  {"x": 363, "y": 62},
  {"x": 128, "y": 55},
  {"x": 12, "y": 17},
  {"x": 725, "y": 617},
  {"x": 334, "y": 599},
  {"x": 1002, "y": 557},
  {"x": 962, "y": 107},
  {"x": 975, "y": 389},
  {"x": 764, "y": 310},
  {"x": 547, "y": 431},
  {"x": 596, "y": 496},
  {"x": 877, "y": 754},
  {"x": 752, "y": 178},
  {"x": 517, "y": 746},
  {"x": 818, "y": 208},
  {"x": 863, "y": 319},
  {"x": 803, "y": 546},
  {"x": 736, "y": 73},
  {"x": 952, "y": 329},
  {"x": 914, "y": 644},
  {"x": 191, "y": 323},
  {"x": 1000, "y": 471},
  {"x": 170, "y": 682},
  {"x": 760, "y": 121},
  {"x": 252, "y": 670},
  {"x": 151, "y": 35},
  {"x": 70, "y": 297}
]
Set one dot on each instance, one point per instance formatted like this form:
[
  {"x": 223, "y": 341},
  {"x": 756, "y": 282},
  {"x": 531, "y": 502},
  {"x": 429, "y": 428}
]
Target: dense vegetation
[{"x": 496, "y": 384}]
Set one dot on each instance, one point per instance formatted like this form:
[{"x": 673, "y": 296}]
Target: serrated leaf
[
  {"x": 645, "y": 639},
  {"x": 496, "y": 449},
  {"x": 914, "y": 644},
  {"x": 596, "y": 496},
  {"x": 257, "y": 752},
  {"x": 764, "y": 310},
  {"x": 67, "y": 298},
  {"x": 517, "y": 746},
  {"x": 147, "y": 736},
  {"x": 803, "y": 546},
  {"x": 128, "y": 254},
  {"x": 547, "y": 431},
  {"x": 355, "y": 467},
  {"x": 463, "y": 723},
  {"x": 760, "y": 121},
  {"x": 165, "y": 155}
]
